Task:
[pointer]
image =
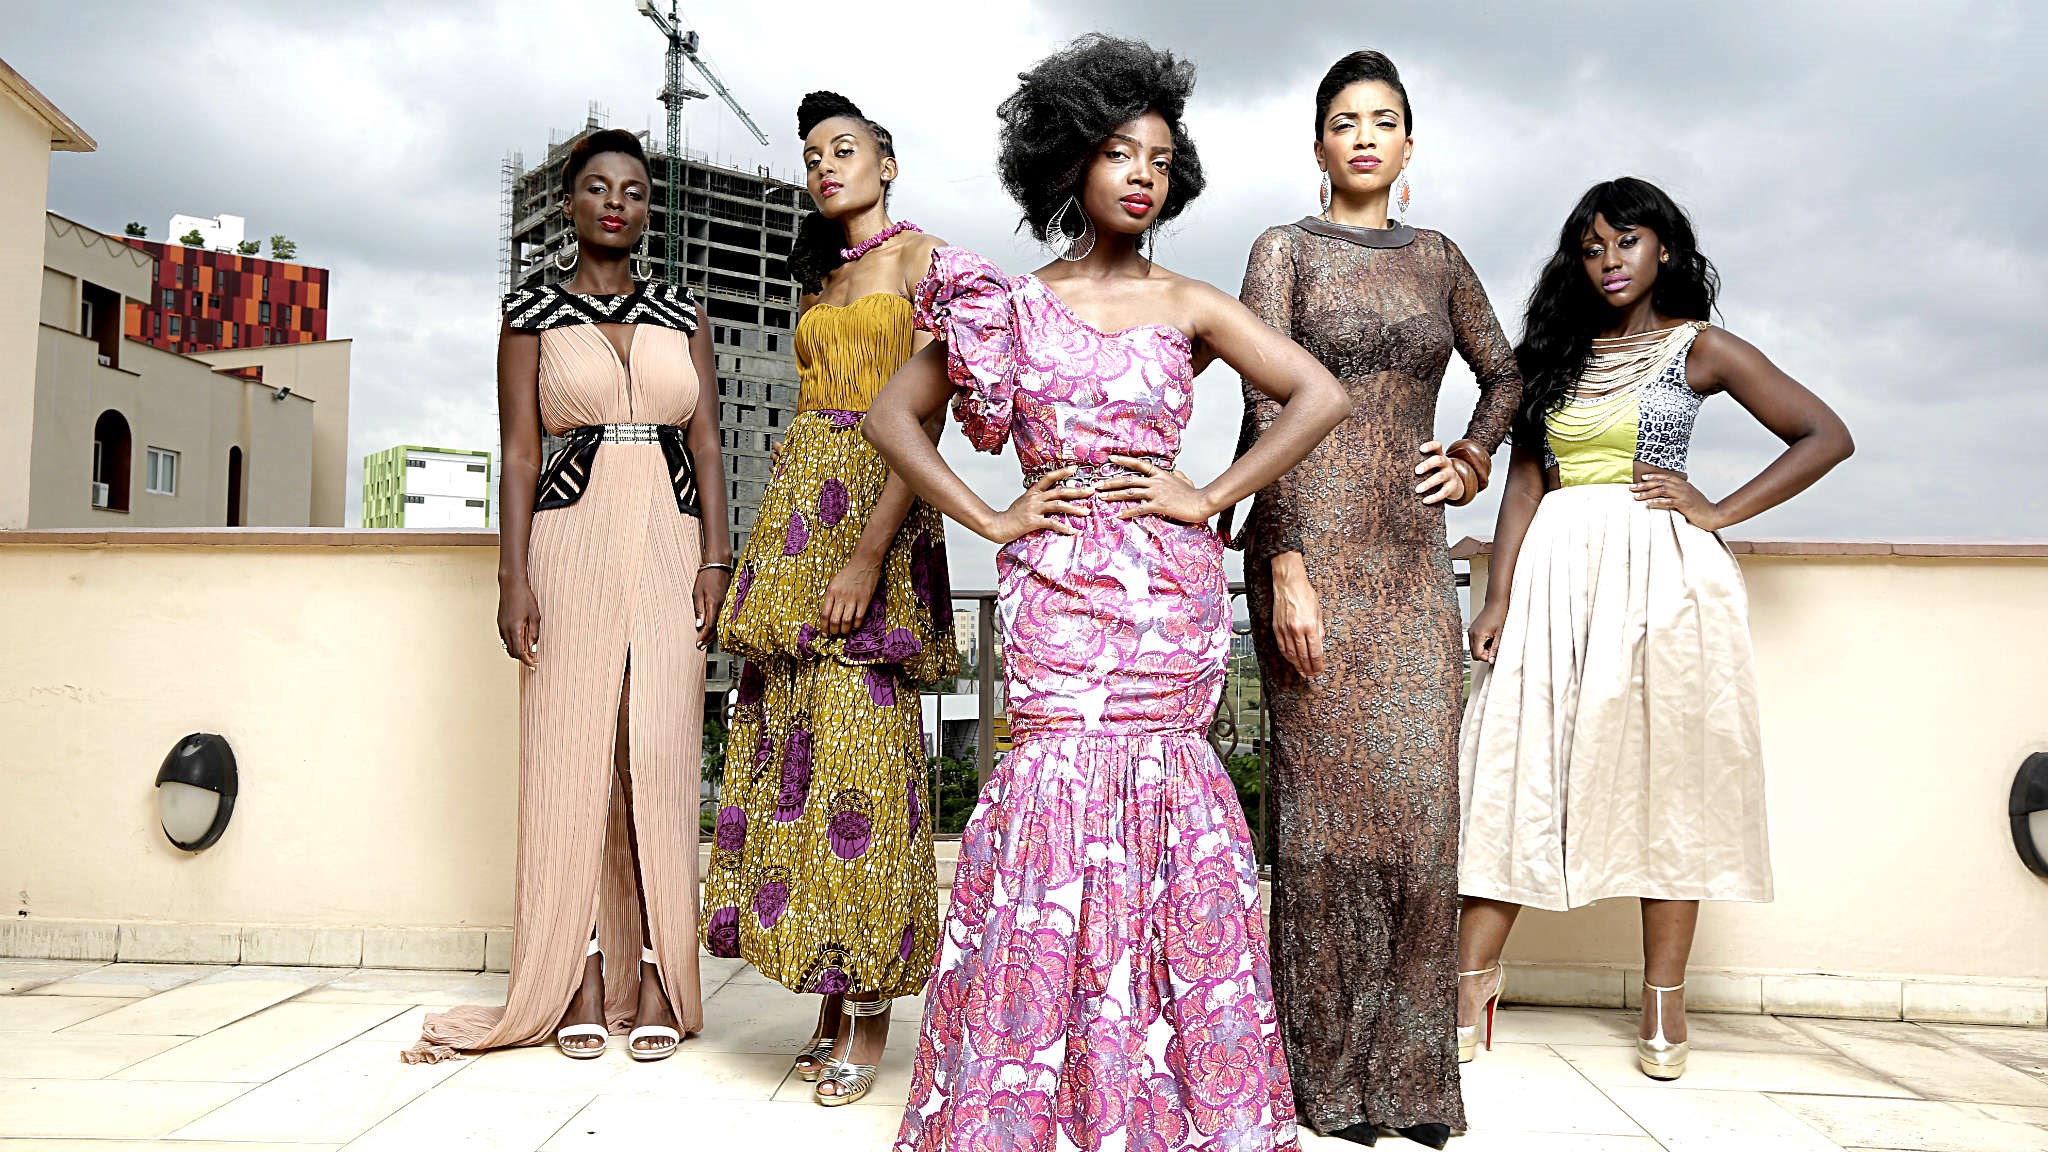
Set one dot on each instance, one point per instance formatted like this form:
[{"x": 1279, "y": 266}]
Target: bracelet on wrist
[{"x": 720, "y": 565}]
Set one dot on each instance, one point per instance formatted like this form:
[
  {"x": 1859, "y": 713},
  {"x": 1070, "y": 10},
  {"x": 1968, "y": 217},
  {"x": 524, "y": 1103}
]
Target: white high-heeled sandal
[
  {"x": 652, "y": 1031},
  {"x": 1468, "y": 1034},
  {"x": 1659, "y": 1058},
  {"x": 597, "y": 1032}
]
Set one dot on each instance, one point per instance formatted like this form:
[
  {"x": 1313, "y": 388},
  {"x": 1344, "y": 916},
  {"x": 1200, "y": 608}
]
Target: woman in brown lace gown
[{"x": 1364, "y": 687}]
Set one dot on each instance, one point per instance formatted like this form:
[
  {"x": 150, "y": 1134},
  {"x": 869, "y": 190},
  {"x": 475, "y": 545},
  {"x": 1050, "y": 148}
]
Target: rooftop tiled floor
[{"x": 116, "y": 1057}]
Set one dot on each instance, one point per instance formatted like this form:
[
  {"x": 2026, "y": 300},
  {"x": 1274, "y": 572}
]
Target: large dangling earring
[
  {"x": 642, "y": 263},
  {"x": 1082, "y": 242},
  {"x": 565, "y": 257},
  {"x": 1323, "y": 197},
  {"x": 1403, "y": 195}
]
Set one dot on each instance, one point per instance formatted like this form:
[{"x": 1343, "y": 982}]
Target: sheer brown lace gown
[{"x": 1365, "y": 757}]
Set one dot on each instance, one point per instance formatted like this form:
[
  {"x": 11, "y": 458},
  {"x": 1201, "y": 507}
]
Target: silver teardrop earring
[
  {"x": 1324, "y": 197},
  {"x": 1081, "y": 243},
  {"x": 642, "y": 266}
]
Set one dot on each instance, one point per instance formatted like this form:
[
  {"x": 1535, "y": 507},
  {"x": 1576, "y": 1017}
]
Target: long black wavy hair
[
  {"x": 1071, "y": 101},
  {"x": 597, "y": 144},
  {"x": 1565, "y": 311},
  {"x": 818, "y": 240}
]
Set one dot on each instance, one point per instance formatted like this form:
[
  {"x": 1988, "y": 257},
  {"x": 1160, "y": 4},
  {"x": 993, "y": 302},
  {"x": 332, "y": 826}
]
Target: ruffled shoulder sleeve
[{"x": 965, "y": 302}]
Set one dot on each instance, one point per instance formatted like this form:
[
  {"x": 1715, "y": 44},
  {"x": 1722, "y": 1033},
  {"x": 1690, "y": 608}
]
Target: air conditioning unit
[{"x": 102, "y": 496}]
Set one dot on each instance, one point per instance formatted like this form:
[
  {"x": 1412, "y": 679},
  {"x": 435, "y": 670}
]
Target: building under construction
[{"x": 737, "y": 228}]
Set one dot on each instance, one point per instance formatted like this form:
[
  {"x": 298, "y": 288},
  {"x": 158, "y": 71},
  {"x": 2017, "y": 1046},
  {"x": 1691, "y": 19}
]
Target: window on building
[
  {"x": 415, "y": 463},
  {"x": 156, "y": 327},
  {"x": 263, "y": 312},
  {"x": 234, "y": 487},
  {"x": 198, "y": 301},
  {"x": 285, "y": 318},
  {"x": 411, "y": 499},
  {"x": 266, "y": 285},
  {"x": 213, "y": 302},
  {"x": 178, "y": 275},
  {"x": 276, "y": 336},
  {"x": 775, "y": 417},
  {"x": 161, "y": 476},
  {"x": 170, "y": 300},
  {"x": 474, "y": 467},
  {"x": 174, "y": 328},
  {"x": 220, "y": 279},
  {"x": 112, "y": 451},
  {"x": 473, "y": 503}
]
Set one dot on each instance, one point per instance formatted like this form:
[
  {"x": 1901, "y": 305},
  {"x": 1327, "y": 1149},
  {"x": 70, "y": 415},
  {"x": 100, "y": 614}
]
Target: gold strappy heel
[
  {"x": 853, "y": 1080},
  {"x": 819, "y": 1056},
  {"x": 1659, "y": 1058}
]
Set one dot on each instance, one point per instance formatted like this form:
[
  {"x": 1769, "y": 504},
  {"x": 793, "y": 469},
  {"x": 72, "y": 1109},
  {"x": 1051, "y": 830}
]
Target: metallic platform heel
[
  {"x": 1659, "y": 1058},
  {"x": 1468, "y": 1034},
  {"x": 853, "y": 1080}
]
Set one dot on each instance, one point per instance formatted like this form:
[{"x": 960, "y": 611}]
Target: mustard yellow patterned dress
[{"x": 821, "y": 868}]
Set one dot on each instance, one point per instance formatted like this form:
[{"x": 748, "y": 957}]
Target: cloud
[{"x": 1850, "y": 168}]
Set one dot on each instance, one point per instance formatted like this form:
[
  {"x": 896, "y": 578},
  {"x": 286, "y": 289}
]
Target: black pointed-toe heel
[
  {"x": 1434, "y": 1135},
  {"x": 1360, "y": 1133}
]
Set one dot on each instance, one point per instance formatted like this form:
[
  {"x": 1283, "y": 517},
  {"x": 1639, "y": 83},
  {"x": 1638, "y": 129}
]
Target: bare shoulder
[
  {"x": 914, "y": 258},
  {"x": 1718, "y": 356}
]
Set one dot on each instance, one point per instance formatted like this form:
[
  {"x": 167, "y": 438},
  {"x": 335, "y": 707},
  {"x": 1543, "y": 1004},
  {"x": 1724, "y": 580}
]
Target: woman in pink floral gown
[{"x": 1102, "y": 979}]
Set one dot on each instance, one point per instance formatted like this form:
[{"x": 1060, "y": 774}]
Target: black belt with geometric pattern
[{"x": 567, "y": 474}]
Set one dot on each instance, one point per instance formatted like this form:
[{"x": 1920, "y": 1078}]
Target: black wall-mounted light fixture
[
  {"x": 2029, "y": 811},
  {"x": 195, "y": 791}
]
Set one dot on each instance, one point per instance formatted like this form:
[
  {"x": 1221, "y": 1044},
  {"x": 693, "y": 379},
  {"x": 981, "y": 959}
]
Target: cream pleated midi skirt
[{"x": 1612, "y": 748}]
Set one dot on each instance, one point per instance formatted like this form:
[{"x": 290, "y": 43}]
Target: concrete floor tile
[
  {"x": 543, "y": 1068},
  {"x": 136, "y": 980},
  {"x": 73, "y": 1056},
  {"x": 1929, "y": 1063},
  {"x": 18, "y": 976},
  {"x": 154, "y": 1146},
  {"x": 32, "y": 1145},
  {"x": 266, "y": 1045},
  {"x": 50, "y": 1013},
  {"x": 701, "y": 1075},
  {"x": 453, "y": 1118},
  {"x": 388, "y": 986},
  {"x": 1919, "y": 1125},
  {"x": 1530, "y": 1088},
  {"x": 1492, "y": 1141},
  {"x": 1711, "y": 1070},
  {"x": 752, "y": 1017},
  {"x": 1561, "y": 1026},
  {"x": 193, "y": 1010},
  {"x": 331, "y": 1099},
  {"x": 1717, "y": 1121},
  {"x": 614, "y": 1122},
  {"x": 114, "y": 1109},
  {"x": 2025, "y": 1049}
]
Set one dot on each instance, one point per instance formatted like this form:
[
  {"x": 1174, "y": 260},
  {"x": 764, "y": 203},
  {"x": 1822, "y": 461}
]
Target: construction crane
[{"x": 675, "y": 93}]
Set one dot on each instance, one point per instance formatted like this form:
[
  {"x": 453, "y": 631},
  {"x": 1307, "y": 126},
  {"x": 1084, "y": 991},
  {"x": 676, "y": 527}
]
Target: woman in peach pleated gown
[{"x": 613, "y": 561}]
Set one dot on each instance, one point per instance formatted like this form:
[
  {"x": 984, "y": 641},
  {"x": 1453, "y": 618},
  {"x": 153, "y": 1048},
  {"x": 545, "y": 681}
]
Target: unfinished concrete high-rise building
[{"x": 737, "y": 228}]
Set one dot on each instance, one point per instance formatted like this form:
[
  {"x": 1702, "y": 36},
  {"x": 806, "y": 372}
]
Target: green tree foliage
[
  {"x": 249, "y": 247},
  {"x": 192, "y": 239},
  {"x": 282, "y": 249},
  {"x": 958, "y": 789},
  {"x": 136, "y": 230}
]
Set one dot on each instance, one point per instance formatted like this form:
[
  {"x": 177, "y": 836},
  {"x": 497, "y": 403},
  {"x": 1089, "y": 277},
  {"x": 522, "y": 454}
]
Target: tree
[
  {"x": 282, "y": 249},
  {"x": 249, "y": 247},
  {"x": 192, "y": 239},
  {"x": 136, "y": 229}
]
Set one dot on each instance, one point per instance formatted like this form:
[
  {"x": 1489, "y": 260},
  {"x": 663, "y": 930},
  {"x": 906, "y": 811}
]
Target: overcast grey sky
[{"x": 1881, "y": 236}]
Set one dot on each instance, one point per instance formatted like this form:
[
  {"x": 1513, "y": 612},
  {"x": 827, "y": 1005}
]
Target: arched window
[
  {"x": 113, "y": 452},
  {"x": 235, "y": 487}
]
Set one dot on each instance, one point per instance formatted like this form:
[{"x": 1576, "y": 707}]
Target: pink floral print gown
[{"x": 1102, "y": 979}]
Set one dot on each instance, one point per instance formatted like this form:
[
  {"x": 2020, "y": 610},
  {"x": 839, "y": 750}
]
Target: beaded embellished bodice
[{"x": 1633, "y": 402}]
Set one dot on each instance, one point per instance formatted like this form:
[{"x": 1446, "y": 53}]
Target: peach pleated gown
[{"x": 613, "y": 574}]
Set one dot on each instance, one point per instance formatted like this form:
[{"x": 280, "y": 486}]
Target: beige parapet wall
[{"x": 359, "y": 678}]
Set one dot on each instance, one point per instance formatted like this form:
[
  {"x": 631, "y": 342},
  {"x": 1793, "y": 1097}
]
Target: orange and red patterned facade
[{"x": 203, "y": 301}]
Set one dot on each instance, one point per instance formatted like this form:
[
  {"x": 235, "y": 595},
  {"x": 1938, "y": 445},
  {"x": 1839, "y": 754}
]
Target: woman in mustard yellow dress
[{"x": 822, "y": 873}]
